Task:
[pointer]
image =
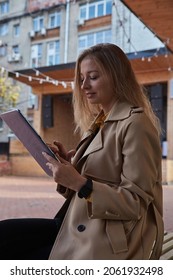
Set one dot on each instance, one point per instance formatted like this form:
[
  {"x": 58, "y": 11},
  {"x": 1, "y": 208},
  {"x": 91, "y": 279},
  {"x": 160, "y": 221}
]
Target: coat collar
[{"x": 119, "y": 111}]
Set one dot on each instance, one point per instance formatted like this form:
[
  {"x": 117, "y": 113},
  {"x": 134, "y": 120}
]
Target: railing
[{"x": 167, "y": 248}]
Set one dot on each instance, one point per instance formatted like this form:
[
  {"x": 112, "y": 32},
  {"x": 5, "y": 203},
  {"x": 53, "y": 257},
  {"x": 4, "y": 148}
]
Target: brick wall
[
  {"x": 63, "y": 129},
  {"x": 25, "y": 165},
  {"x": 5, "y": 167}
]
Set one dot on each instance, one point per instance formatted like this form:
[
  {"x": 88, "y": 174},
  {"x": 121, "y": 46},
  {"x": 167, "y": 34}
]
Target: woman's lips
[{"x": 90, "y": 94}]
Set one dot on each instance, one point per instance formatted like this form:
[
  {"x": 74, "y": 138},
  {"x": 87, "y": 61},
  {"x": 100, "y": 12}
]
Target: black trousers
[{"x": 27, "y": 239}]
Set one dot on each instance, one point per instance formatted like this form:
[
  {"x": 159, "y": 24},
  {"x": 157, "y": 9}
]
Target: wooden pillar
[{"x": 170, "y": 132}]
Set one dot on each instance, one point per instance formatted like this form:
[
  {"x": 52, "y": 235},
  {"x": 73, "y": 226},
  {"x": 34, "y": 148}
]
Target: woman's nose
[{"x": 85, "y": 84}]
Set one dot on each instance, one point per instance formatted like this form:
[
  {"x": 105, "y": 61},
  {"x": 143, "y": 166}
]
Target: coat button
[{"x": 81, "y": 228}]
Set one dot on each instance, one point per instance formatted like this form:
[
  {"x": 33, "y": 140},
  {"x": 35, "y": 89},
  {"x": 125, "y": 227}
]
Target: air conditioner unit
[
  {"x": 10, "y": 58},
  {"x": 14, "y": 57},
  {"x": 32, "y": 33},
  {"x": 43, "y": 31},
  {"x": 17, "y": 56},
  {"x": 81, "y": 22}
]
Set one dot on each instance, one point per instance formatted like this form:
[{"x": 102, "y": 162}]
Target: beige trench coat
[{"x": 124, "y": 219}]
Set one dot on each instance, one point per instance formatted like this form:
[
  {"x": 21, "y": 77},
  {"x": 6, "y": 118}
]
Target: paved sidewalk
[
  {"x": 28, "y": 197},
  {"x": 37, "y": 197}
]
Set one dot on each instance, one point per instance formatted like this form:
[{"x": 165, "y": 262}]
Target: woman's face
[{"x": 95, "y": 85}]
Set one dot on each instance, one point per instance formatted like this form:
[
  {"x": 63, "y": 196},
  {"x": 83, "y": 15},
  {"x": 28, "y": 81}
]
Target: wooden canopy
[
  {"x": 157, "y": 15},
  {"x": 55, "y": 79}
]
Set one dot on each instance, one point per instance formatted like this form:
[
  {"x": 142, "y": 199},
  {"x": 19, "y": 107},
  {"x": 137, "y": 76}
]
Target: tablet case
[{"x": 28, "y": 136}]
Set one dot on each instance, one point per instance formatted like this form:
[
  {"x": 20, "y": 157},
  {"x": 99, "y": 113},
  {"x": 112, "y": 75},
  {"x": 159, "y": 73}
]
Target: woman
[{"x": 113, "y": 183}]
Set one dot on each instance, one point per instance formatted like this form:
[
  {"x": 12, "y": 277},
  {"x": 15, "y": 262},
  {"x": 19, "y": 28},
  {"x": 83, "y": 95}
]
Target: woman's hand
[
  {"x": 59, "y": 150},
  {"x": 64, "y": 173}
]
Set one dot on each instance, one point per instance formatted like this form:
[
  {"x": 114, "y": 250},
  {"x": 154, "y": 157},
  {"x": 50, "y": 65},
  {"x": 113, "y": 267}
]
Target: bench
[{"x": 167, "y": 248}]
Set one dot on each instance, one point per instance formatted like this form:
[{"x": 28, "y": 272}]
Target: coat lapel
[
  {"x": 88, "y": 146},
  {"x": 90, "y": 143},
  {"x": 95, "y": 145}
]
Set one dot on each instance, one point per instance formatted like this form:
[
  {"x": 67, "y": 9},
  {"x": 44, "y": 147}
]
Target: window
[
  {"x": 15, "y": 49},
  {"x": 95, "y": 9},
  {"x": 85, "y": 41},
  {"x": 38, "y": 23},
  {"x": 92, "y": 11},
  {"x": 54, "y": 20},
  {"x": 3, "y": 50},
  {"x": 31, "y": 100},
  {"x": 158, "y": 97},
  {"x": 16, "y": 30},
  {"x": 14, "y": 55},
  {"x": 53, "y": 52},
  {"x": 1, "y": 125},
  {"x": 1, "y": 105},
  {"x": 36, "y": 55},
  {"x": 3, "y": 29},
  {"x": 4, "y": 7}
]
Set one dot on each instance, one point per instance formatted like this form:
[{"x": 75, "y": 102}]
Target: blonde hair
[{"x": 115, "y": 64}]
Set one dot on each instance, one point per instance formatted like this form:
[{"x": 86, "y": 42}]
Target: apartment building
[{"x": 49, "y": 34}]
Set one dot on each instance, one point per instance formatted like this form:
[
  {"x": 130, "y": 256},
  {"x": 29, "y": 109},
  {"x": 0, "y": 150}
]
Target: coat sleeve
[
  {"x": 65, "y": 192},
  {"x": 140, "y": 174}
]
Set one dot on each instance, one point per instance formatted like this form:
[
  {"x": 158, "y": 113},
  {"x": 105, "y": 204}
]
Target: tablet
[{"x": 29, "y": 137}]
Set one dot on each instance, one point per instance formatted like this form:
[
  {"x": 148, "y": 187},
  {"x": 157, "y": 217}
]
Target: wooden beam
[{"x": 51, "y": 89}]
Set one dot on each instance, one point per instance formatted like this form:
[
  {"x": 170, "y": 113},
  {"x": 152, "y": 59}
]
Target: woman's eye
[{"x": 93, "y": 77}]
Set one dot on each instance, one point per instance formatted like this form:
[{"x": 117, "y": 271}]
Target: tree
[{"x": 9, "y": 93}]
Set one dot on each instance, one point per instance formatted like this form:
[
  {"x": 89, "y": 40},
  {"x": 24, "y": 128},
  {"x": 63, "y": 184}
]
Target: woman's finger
[
  {"x": 52, "y": 148},
  {"x": 61, "y": 159},
  {"x": 61, "y": 150},
  {"x": 49, "y": 158}
]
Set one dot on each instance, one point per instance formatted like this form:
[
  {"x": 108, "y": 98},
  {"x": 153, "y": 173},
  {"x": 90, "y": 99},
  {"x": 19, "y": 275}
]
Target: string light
[
  {"x": 123, "y": 27},
  {"x": 36, "y": 78},
  {"x": 64, "y": 84},
  {"x": 72, "y": 85},
  {"x": 156, "y": 53},
  {"x": 2, "y": 70}
]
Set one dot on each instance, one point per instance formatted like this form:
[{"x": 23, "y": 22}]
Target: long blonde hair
[{"x": 115, "y": 64}]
